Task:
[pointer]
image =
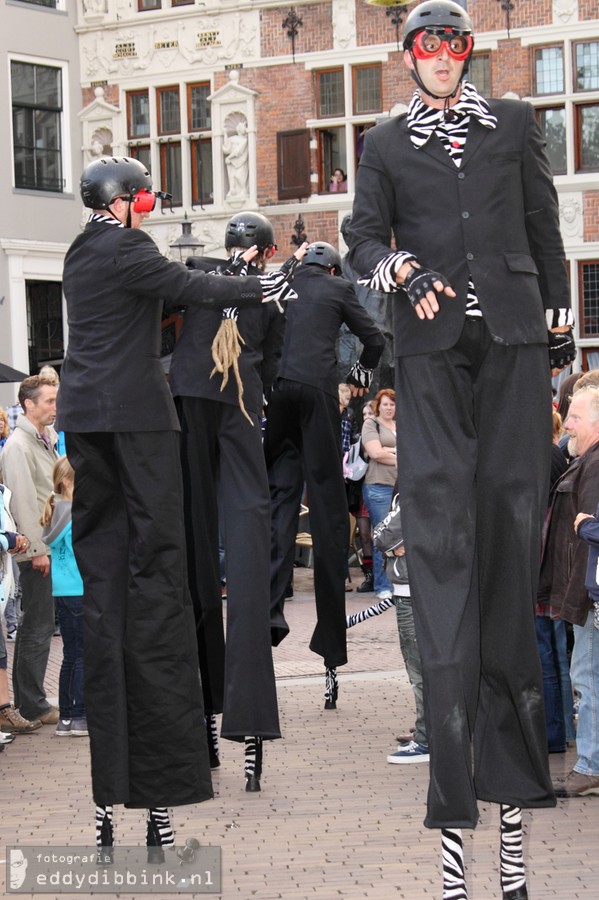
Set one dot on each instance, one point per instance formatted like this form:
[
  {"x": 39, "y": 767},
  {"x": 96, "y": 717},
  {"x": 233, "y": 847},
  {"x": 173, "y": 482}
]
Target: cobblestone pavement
[{"x": 334, "y": 819}]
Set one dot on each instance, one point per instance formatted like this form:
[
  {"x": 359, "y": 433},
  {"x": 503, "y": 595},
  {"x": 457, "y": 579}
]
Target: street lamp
[{"x": 187, "y": 243}]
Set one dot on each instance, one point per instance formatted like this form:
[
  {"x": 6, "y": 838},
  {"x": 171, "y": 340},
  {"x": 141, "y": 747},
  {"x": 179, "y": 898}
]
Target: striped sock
[
  {"x": 454, "y": 878},
  {"x": 104, "y": 826},
  {"x": 159, "y": 831},
  {"x": 513, "y": 875}
]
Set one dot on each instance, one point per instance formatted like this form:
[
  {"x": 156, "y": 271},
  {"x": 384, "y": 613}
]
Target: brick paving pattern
[{"x": 334, "y": 819}]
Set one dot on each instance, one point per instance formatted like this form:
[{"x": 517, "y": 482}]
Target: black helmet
[
  {"x": 322, "y": 254},
  {"x": 248, "y": 228},
  {"x": 433, "y": 14},
  {"x": 108, "y": 178}
]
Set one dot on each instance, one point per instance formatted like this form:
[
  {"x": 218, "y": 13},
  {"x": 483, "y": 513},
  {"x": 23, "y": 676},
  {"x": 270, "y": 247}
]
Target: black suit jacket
[
  {"x": 261, "y": 329},
  {"x": 115, "y": 282},
  {"x": 324, "y": 304},
  {"x": 494, "y": 217}
]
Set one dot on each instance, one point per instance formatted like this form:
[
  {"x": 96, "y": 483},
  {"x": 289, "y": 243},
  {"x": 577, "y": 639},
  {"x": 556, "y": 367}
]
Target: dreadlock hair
[{"x": 227, "y": 344}]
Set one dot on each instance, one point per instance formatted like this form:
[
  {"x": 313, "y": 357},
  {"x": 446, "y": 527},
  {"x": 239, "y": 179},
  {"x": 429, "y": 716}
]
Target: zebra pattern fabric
[
  {"x": 159, "y": 830},
  {"x": 104, "y": 826},
  {"x": 375, "y": 610},
  {"x": 511, "y": 860},
  {"x": 253, "y": 757},
  {"x": 331, "y": 689},
  {"x": 212, "y": 736},
  {"x": 454, "y": 878}
]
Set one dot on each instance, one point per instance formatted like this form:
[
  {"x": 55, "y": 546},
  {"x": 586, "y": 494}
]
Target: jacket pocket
[{"x": 521, "y": 262}]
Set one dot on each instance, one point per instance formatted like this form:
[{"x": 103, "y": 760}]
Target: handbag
[{"x": 354, "y": 464}]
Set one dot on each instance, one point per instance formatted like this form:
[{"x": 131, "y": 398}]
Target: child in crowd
[
  {"x": 388, "y": 538},
  {"x": 67, "y": 588}
]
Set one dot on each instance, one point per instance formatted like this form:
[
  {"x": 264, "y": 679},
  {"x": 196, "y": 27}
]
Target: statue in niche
[
  {"x": 236, "y": 153},
  {"x": 101, "y": 143}
]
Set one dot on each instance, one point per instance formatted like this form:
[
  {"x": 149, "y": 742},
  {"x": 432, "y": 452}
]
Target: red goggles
[
  {"x": 428, "y": 44},
  {"x": 145, "y": 201}
]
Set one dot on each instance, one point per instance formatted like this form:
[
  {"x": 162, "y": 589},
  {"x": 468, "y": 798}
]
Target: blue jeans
[
  {"x": 411, "y": 658},
  {"x": 552, "y": 684},
  {"x": 70, "y": 681},
  {"x": 584, "y": 672},
  {"x": 377, "y": 498}
]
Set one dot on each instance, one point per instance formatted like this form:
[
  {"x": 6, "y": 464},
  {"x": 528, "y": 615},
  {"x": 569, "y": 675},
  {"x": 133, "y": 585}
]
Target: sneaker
[
  {"x": 51, "y": 717},
  {"x": 63, "y": 729},
  {"x": 367, "y": 585},
  {"x": 411, "y": 753},
  {"x": 79, "y": 727},
  {"x": 384, "y": 595},
  {"x": 12, "y": 721},
  {"x": 6, "y": 738},
  {"x": 575, "y": 784},
  {"x": 11, "y": 635}
]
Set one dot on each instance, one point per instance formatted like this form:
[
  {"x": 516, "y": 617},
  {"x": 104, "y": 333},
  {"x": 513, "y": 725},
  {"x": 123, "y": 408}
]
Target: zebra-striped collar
[
  {"x": 108, "y": 220},
  {"x": 423, "y": 120}
]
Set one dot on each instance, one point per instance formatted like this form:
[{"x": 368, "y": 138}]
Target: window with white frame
[
  {"x": 348, "y": 100},
  {"x": 180, "y": 141},
  {"x": 574, "y": 104},
  {"x": 37, "y": 125},
  {"x": 588, "y": 282}
]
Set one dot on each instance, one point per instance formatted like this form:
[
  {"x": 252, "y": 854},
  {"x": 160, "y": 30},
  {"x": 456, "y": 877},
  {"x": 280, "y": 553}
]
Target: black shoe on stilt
[
  {"x": 253, "y": 764},
  {"x": 104, "y": 836},
  {"x": 331, "y": 689},
  {"x": 159, "y": 834},
  {"x": 519, "y": 894},
  {"x": 212, "y": 736}
]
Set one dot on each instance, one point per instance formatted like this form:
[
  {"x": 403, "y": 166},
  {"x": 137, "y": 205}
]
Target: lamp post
[{"x": 186, "y": 244}]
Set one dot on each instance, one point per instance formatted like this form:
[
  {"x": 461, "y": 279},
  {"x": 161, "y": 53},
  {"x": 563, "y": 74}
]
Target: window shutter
[{"x": 293, "y": 164}]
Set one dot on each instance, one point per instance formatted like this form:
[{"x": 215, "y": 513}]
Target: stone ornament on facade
[
  {"x": 570, "y": 217},
  {"x": 236, "y": 153},
  {"x": 344, "y": 24},
  {"x": 92, "y": 9},
  {"x": 101, "y": 143},
  {"x": 565, "y": 11},
  {"x": 205, "y": 41}
]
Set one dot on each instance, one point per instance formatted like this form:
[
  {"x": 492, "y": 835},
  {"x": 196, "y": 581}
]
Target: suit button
[
  {"x": 461, "y": 175},
  {"x": 470, "y": 256},
  {"x": 465, "y": 215}
]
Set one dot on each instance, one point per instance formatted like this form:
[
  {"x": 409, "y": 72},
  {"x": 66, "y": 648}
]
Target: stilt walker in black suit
[
  {"x": 142, "y": 688},
  {"x": 224, "y": 477},
  {"x": 464, "y": 186},
  {"x": 303, "y": 445}
]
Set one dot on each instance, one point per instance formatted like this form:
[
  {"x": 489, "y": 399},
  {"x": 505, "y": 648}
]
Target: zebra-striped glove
[
  {"x": 359, "y": 376},
  {"x": 275, "y": 285}
]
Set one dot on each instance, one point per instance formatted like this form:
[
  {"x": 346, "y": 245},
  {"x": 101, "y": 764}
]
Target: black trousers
[
  {"x": 223, "y": 460},
  {"x": 303, "y": 444},
  {"x": 474, "y": 446},
  {"x": 142, "y": 689}
]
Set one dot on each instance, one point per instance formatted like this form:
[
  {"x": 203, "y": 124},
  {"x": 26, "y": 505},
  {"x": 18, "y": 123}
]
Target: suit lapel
[
  {"x": 476, "y": 136},
  {"x": 437, "y": 151}
]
